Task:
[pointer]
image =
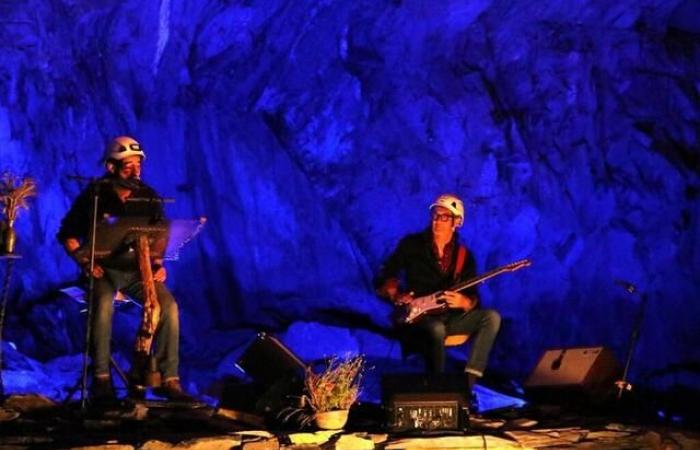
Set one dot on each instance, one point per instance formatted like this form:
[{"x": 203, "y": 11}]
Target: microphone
[{"x": 626, "y": 285}]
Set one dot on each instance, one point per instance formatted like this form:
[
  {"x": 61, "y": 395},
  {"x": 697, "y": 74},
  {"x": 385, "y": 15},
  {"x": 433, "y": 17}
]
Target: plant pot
[{"x": 332, "y": 420}]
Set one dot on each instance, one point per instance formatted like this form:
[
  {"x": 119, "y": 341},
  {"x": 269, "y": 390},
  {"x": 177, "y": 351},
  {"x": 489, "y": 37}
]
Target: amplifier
[
  {"x": 427, "y": 412},
  {"x": 423, "y": 402}
]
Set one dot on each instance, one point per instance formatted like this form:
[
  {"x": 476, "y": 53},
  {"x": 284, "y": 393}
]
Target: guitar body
[
  {"x": 418, "y": 308},
  {"x": 434, "y": 304}
]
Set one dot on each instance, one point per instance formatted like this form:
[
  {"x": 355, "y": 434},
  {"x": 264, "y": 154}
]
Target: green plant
[{"x": 336, "y": 387}]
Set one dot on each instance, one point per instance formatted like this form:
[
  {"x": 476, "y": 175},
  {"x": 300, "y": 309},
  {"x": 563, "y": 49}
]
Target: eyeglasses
[{"x": 441, "y": 217}]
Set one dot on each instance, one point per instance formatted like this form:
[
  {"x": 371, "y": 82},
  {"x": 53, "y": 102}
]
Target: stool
[{"x": 455, "y": 340}]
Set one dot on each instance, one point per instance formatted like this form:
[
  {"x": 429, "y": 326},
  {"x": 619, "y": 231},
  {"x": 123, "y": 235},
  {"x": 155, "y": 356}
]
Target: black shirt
[{"x": 415, "y": 261}]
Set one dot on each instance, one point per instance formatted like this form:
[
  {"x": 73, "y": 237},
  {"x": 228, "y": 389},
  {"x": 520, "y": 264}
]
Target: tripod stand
[
  {"x": 78, "y": 295},
  {"x": 79, "y": 384},
  {"x": 91, "y": 295},
  {"x": 623, "y": 385}
]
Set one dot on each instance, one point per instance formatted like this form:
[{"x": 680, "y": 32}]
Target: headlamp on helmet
[{"x": 120, "y": 148}]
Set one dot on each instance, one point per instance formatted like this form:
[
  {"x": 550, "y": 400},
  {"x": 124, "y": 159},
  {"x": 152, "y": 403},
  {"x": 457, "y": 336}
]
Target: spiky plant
[
  {"x": 336, "y": 387},
  {"x": 14, "y": 194}
]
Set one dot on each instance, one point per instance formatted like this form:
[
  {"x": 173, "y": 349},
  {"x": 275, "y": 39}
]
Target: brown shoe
[
  {"x": 136, "y": 391},
  {"x": 172, "y": 390},
  {"x": 101, "y": 390}
]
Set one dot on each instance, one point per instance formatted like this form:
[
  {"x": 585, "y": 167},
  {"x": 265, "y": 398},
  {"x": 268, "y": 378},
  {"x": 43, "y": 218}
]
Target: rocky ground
[{"x": 33, "y": 421}]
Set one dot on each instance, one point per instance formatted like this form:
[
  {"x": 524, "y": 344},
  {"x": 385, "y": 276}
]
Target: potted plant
[
  {"x": 331, "y": 393},
  {"x": 13, "y": 196}
]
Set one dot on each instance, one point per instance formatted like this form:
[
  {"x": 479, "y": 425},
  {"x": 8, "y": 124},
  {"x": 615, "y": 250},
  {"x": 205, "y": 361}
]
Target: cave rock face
[{"x": 313, "y": 135}]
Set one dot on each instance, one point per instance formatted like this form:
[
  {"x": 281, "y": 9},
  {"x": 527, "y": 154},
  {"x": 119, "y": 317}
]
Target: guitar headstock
[{"x": 517, "y": 265}]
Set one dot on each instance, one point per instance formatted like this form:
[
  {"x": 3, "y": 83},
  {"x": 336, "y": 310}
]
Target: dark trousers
[
  {"x": 428, "y": 337},
  {"x": 168, "y": 331}
]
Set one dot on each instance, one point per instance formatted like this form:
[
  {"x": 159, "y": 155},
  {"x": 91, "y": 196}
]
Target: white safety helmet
[
  {"x": 122, "y": 147},
  {"x": 453, "y": 204}
]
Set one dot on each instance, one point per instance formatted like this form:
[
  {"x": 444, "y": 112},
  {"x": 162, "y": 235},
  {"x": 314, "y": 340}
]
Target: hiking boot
[
  {"x": 172, "y": 390},
  {"x": 136, "y": 391},
  {"x": 101, "y": 390}
]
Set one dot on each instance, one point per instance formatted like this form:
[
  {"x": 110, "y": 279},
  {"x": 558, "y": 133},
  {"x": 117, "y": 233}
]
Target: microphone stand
[
  {"x": 94, "y": 183},
  {"x": 90, "y": 300},
  {"x": 623, "y": 384}
]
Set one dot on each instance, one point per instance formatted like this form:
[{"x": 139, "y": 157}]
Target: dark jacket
[
  {"x": 76, "y": 223},
  {"x": 414, "y": 262}
]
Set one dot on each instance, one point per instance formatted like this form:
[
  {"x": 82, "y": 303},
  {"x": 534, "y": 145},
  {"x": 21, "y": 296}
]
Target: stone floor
[{"x": 32, "y": 421}]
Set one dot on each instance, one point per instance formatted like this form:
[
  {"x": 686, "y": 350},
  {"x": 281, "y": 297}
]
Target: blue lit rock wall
[{"x": 313, "y": 135}]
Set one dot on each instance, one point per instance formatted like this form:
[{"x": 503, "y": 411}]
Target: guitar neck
[{"x": 480, "y": 279}]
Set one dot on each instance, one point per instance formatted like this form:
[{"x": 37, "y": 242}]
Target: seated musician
[
  {"x": 431, "y": 261},
  {"x": 122, "y": 180}
]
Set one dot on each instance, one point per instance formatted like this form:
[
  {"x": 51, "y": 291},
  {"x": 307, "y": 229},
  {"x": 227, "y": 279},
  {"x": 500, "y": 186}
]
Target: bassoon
[{"x": 144, "y": 364}]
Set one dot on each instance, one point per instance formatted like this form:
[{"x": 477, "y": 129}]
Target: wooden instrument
[
  {"x": 144, "y": 365},
  {"x": 434, "y": 303}
]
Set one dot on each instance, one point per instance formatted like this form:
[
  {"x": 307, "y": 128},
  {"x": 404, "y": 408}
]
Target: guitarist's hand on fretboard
[
  {"x": 455, "y": 300},
  {"x": 452, "y": 298}
]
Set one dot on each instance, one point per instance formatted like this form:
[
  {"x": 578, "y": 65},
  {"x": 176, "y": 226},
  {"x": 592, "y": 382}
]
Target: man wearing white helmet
[
  {"x": 122, "y": 180},
  {"x": 431, "y": 261}
]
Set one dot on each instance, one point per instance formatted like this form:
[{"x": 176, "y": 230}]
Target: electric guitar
[{"x": 435, "y": 302}]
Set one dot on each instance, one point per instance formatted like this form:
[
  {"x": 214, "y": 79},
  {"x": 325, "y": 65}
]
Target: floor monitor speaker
[{"x": 590, "y": 370}]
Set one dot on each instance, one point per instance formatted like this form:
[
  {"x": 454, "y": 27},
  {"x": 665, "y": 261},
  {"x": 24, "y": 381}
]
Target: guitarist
[
  {"x": 122, "y": 181},
  {"x": 430, "y": 261}
]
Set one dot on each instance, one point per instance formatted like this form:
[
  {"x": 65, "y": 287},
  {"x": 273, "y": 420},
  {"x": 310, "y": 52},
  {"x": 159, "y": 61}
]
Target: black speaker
[
  {"x": 586, "y": 370},
  {"x": 277, "y": 379},
  {"x": 267, "y": 360}
]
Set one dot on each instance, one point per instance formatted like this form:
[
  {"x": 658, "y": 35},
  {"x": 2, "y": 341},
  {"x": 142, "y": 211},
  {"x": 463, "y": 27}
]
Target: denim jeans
[
  {"x": 167, "y": 338},
  {"x": 429, "y": 336}
]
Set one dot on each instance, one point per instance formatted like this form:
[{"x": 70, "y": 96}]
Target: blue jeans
[
  {"x": 167, "y": 338},
  {"x": 481, "y": 324}
]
